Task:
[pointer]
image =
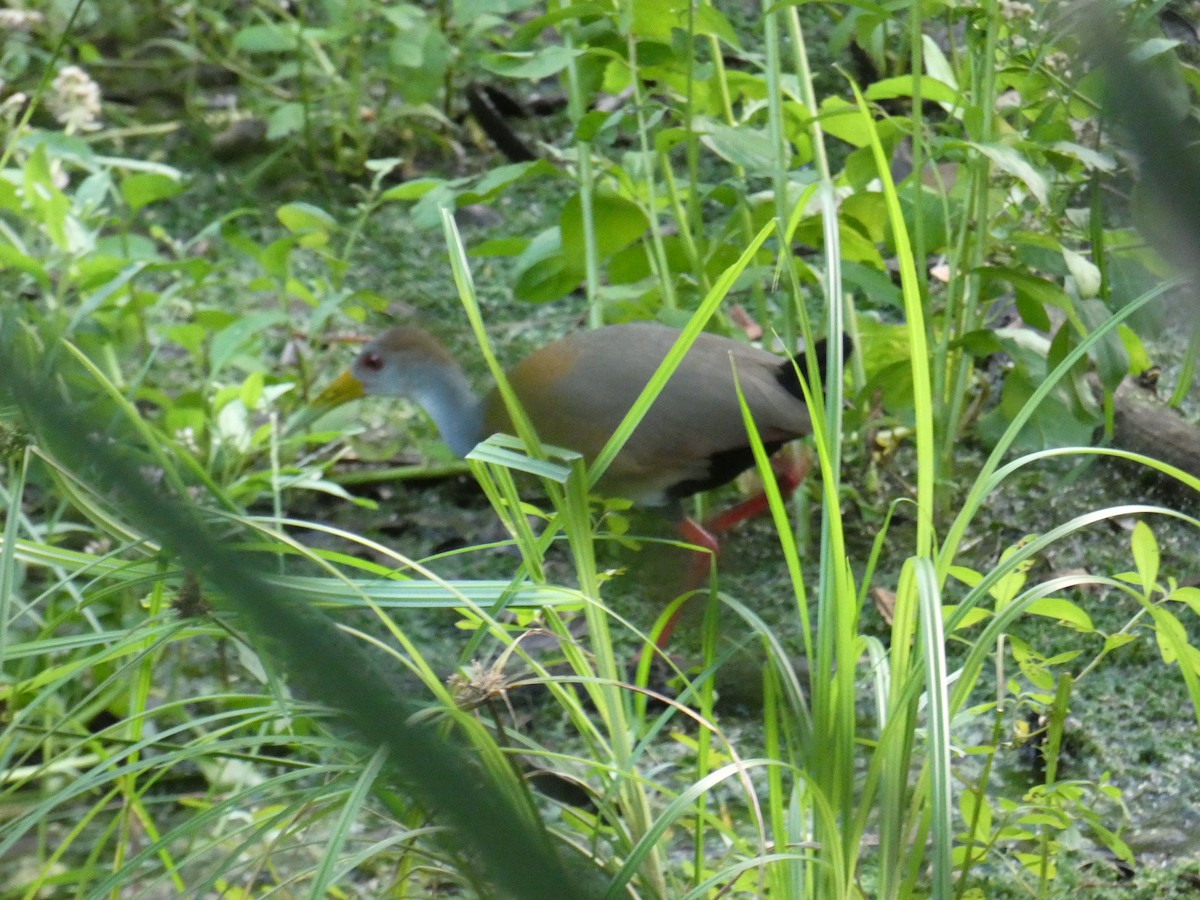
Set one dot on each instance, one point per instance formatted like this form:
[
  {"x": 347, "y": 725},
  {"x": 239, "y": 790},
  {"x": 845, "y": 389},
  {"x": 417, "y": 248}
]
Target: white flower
[
  {"x": 187, "y": 438},
  {"x": 1015, "y": 9},
  {"x": 75, "y": 100},
  {"x": 19, "y": 19},
  {"x": 1058, "y": 62},
  {"x": 12, "y": 106}
]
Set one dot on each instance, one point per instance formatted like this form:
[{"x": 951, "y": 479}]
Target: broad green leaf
[
  {"x": 972, "y": 617},
  {"x": 1038, "y": 675},
  {"x": 868, "y": 210},
  {"x": 274, "y": 257},
  {"x": 1040, "y": 289},
  {"x": 407, "y": 48},
  {"x": 977, "y": 812},
  {"x": 1059, "y": 659},
  {"x": 230, "y": 341},
  {"x": 12, "y": 258},
  {"x": 267, "y": 38},
  {"x": 412, "y": 190},
  {"x": 1085, "y": 273},
  {"x": 1188, "y": 595},
  {"x": 1008, "y": 159},
  {"x": 470, "y": 10},
  {"x": 403, "y": 16},
  {"x": 842, "y": 120},
  {"x": 1057, "y": 422},
  {"x": 424, "y": 55},
  {"x": 541, "y": 271},
  {"x": 1172, "y": 637},
  {"x": 294, "y": 287},
  {"x": 1062, "y": 610},
  {"x": 125, "y": 248},
  {"x": 534, "y": 64},
  {"x": 854, "y": 245},
  {"x": 427, "y": 212},
  {"x": 1139, "y": 359},
  {"x": 190, "y": 336},
  {"x": 510, "y": 246},
  {"x": 322, "y": 37},
  {"x": 1116, "y": 641},
  {"x": 213, "y": 320},
  {"x": 50, "y": 205},
  {"x": 10, "y": 198},
  {"x": 300, "y": 218},
  {"x": 873, "y": 283},
  {"x": 1151, "y": 48},
  {"x": 656, "y": 21},
  {"x": 231, "y": 426},
  {"x": 1108, "y": 356},
  {"x": 619, "y": 222},
  {"x": 493, "y": 182},
  {"x": 285, "y": 119},
  {"x": 749, "y": 148},
  {"x": 969, "y": 577},
  {"x": 1013, "y": 833},
  {"x": 1004, "y": 590},
  {"x": 591, "y": 123},
  {"x": 143, "y": 188},
  {"x": 936, "y": 64},
  {"x": 711, "y": 21},
  {"x": 1092, "y": 159},
  {"x": 902, "y": 86},
  {"x": 1145, "y": 556},
  {"x": 1048, "y": 818},
  {"x": 252, "y": 389}
]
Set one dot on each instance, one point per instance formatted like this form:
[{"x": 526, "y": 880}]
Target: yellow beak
[{"x": 342, "y": 390}]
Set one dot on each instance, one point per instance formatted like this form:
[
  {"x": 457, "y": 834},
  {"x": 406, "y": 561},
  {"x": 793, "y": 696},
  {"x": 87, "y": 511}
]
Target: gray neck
[{"x": 454, "y": 408}]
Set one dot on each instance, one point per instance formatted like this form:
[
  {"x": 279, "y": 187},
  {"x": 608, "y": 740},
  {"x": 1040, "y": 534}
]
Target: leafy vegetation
[{"x": 208, "y": 688}]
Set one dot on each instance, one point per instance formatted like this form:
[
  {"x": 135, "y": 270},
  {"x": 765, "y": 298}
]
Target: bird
[{"x": 576, "y": 390}]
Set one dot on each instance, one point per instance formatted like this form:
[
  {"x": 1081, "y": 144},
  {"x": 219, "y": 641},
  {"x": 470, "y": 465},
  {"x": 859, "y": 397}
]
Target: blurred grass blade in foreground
[
  {"x": 324, "y": 664},
  {"x": 1148, "y": 123}
]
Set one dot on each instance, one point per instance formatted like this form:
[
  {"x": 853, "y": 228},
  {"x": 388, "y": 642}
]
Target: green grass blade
[
  {"x": 984, "y": 482},
  {"x": 940, "y": 801},
  {"x": 678, "y": 350}
]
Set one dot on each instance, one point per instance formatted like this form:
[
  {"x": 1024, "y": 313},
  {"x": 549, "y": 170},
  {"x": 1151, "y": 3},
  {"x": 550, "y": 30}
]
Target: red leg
[
  {"x": 698, "y": 568},
  {"x": 695, "y": 533},
  {"x": 790, "y": 473}
]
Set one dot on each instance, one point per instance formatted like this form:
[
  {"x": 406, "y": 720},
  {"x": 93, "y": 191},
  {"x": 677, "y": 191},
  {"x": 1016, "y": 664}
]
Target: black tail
[{"x": 787, "y": 372}]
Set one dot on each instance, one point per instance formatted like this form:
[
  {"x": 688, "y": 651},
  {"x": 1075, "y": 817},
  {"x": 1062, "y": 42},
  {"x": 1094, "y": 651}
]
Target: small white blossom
[
  {"x": 187, "y": 439},
  {"x": 1087, "y": 132},
  {"x": 11, "y": 106},
  {"x": 98, "y": 547},
  {"x": 75, "y": 100},
  {"x": 58, "y": 175},
  {"x": 1015, "y": 9},
  {"x": 19, "y": 19},
  {"x": 1058, "y": 62}
]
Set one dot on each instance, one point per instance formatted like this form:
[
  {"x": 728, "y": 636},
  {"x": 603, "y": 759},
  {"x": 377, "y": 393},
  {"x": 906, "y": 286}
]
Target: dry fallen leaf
[
  {"x": 885, "y": 603},
  {"x": 742, "y": 320}
]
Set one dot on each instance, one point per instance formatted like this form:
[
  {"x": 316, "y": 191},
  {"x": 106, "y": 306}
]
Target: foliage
[{"x": 701, "y": 170}]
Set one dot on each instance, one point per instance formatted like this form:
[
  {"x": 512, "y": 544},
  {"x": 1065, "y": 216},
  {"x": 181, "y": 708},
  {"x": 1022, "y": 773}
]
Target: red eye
[{"x": 372, "y": 361}]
